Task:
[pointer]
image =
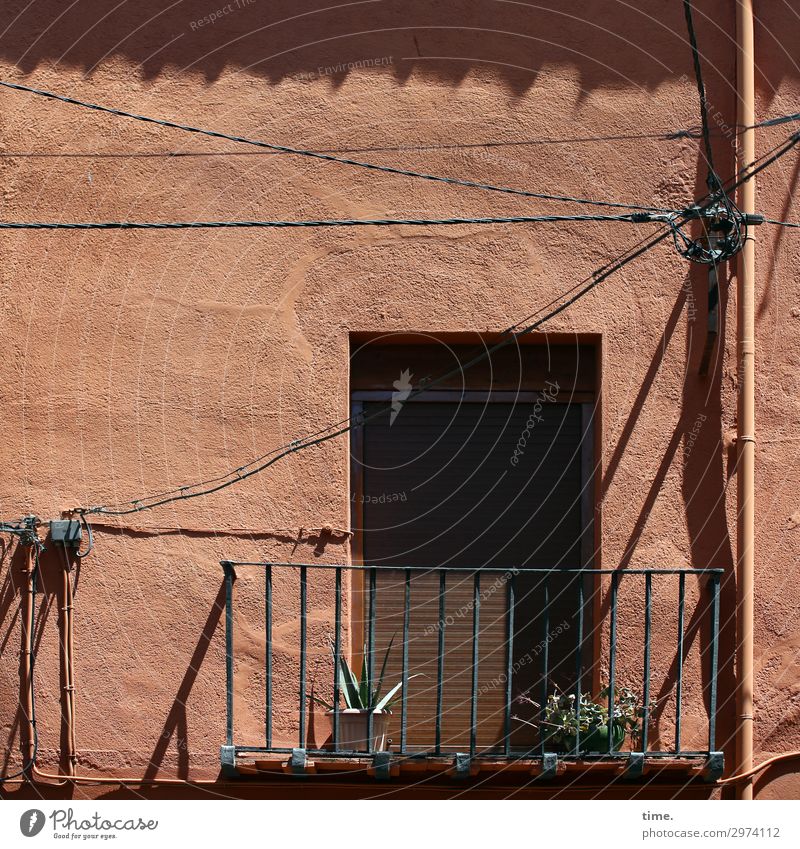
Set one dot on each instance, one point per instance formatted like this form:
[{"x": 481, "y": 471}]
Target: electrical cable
[
  {"x": 631, "y": 218},
  {"x": 326, "y": 433},
  {"x": 781, "y": 223},
  {"x": 346, "y": 425},
  {"x": 701, "y": 90},
  {"x": 327, "y": 157},
  {"x": 329, "y": 432},
  {"x": 713, "y": 179},
  {"x": 764, "y": 161},
  {"x": 90, "y": 538},
  {"x": 726, "y": 231},
  {"x": 420, "y": 147}
]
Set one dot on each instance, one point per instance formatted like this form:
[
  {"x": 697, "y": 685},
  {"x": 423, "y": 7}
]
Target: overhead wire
[
  {"x": 579, "y": 290},
  {"x": 329, "y": 432},
  {"x": 781, "y": 223},
  {"x": 327, "y": 157},
  {"x": 701, "y": 90},
  {"x": 345, "y": 425},
  {"x": 630, "y": 218},
  {"x": 726, "y": 232},
  {"x": 419, "y": 147}
]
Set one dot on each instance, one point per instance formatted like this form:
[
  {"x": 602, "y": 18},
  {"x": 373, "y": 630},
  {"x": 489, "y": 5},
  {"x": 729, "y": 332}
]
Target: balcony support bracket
[
  {"x": 634, "y": 769},
  {"x": 298, "y": 763},
  {"x": 382, "y": 765},
  {"x": 714, "y": 766},
  {"x": 549, "y": 767},
  {"x": 462, "y": 765},
  {"x": 227, "y": 759}
]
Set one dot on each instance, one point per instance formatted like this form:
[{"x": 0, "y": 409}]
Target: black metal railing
[{"x": 496, "y": 663}]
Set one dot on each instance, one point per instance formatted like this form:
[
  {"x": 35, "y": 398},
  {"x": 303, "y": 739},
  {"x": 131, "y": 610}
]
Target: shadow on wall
[
  {"x": 13, "y": 566},
  {"x": 307, "y": 39}
]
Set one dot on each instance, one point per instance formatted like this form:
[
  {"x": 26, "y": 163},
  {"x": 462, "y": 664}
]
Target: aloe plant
[{"x": 361, "y": 693}]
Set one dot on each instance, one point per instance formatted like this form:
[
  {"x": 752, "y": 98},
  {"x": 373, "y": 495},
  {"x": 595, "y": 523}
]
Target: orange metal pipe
[
  {"x": 67, "y": 650},
  {"x": 745, "y": 477},
  {"x": 25, "y": 652}
]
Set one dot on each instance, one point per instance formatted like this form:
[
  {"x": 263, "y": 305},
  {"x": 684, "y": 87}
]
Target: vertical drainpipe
[
  {"x": 745, "y": 478},
  {"x": 27, "y": 615}
]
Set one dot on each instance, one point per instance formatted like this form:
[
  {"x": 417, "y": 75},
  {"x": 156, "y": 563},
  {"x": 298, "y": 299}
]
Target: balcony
[{"x": 481, "y": 659}]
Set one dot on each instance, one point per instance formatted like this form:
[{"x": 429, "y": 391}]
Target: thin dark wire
[
  {"x": 773, "y": 122},
  {"x": 701, "y": 90},
  {"x": 719, "y": 244},
  {"x": 421, "y": 147},
  {"x": 765, "y": 160},
  {"x": 387, "y": 169},
  {"x": 781, "y": 223},
  {"x": 241, "y": 471},
  {"x": 345, "y": 425},
  {"x": 588, "y": 284},
  {"x": 631, "y": 218}
]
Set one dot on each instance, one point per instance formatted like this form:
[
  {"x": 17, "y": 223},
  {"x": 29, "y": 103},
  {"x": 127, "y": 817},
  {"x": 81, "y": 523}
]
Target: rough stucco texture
[{"x": 136, "y": 362}]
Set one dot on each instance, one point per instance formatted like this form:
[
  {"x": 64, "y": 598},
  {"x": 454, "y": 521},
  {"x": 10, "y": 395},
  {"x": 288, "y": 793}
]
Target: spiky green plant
[{"x": 361, "y": 693}]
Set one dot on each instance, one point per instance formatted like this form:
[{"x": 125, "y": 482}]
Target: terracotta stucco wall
[{"x": 135, "y": 362}]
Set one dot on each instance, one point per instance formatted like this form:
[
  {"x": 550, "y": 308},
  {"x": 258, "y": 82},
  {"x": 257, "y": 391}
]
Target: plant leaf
[
  {"x": 363, "y": 689},
  {"x": 377, "y": 691},
  {"x": 388, "y": 697},
  {"x": 348, "y": 685}
]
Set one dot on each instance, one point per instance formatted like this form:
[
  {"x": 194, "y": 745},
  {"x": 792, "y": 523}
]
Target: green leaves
[
  {"x": 562, "y": 719},
  {"x": 348, "y": 685},
  {"x": 361, "y": 693}
]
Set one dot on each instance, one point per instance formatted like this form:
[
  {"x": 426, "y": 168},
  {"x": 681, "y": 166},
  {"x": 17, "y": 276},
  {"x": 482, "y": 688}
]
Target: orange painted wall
[{"x": 137, "y": 361}]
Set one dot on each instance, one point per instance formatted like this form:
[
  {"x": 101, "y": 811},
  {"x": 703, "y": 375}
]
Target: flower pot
[
  {"x": 594, "y": 740},
  {"x": 353, "y": 729}
]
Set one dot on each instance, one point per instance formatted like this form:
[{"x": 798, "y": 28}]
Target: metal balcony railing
[{"x": 477, "y": 655}]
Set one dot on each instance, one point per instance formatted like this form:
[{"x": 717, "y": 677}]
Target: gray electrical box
[{"x": 66, "y": 532}]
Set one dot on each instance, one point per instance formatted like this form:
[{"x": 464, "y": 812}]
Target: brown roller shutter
[{"x": 437, "y": 485}]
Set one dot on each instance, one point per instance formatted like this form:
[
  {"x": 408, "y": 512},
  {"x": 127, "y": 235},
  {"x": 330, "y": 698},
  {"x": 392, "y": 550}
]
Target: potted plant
[
  {"x": 561, "y": 720},
  {"x": 362, "y": 698}
]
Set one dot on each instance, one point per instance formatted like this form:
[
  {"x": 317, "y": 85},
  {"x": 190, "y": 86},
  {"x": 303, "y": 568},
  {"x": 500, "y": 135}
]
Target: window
[{"x": 491, "y": 471}]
